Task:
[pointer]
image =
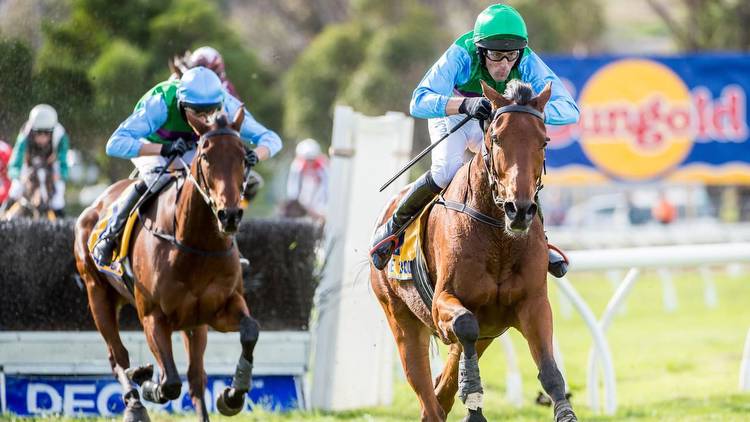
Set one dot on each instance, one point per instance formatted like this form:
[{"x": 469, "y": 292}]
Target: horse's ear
[
  {"x": 495, "y": 97},
  {"x": 540, "y": 100},
  {"x": 239, "y": 117},
  {"x": 196, "y": 123}
]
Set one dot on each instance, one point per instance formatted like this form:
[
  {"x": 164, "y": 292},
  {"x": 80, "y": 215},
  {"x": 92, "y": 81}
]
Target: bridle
[
  {"x": 489, "y": 164},
  {"x": 201, "y": 184},
  {"x": 493, "y": 180}
]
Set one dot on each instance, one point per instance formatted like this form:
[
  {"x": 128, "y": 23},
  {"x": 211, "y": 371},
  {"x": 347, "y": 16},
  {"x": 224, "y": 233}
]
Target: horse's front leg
[
  {"x": 446, "y": 384},
  {"x": 236, "y": 317},
  {"x": 455, "y": 322},
  {"x": 159, "y": 337},
  {"x": 195, "y": 344},
  {"x": 535, "y": 323}
]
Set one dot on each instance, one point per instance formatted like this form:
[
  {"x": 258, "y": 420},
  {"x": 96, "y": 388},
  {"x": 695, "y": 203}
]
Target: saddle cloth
[
  {"x": 407, "y": 261},
  {"x": 121, "y": 251}
]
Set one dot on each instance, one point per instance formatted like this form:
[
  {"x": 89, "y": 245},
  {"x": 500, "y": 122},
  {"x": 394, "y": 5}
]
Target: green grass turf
[{"x": 678, "y": 366}]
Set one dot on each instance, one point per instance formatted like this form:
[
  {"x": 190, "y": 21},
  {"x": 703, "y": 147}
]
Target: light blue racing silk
[
  {"x": 128, "y": 138},
  {"x": 453, "y": 69}
]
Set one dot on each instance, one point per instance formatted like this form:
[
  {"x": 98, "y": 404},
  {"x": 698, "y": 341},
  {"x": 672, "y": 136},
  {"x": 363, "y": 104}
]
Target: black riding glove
[
  {"x": 175, "y": 148},
  {"x": 251, "y": 158},
  {"x": 477, "y": 107}
]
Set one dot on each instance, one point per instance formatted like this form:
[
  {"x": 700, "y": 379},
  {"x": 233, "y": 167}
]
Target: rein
[{"x": 492, "y": 178}]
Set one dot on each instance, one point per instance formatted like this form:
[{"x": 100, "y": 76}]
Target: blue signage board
[
  {"x": 675, "y": 118},
  {"x": 101, "y": 395}
]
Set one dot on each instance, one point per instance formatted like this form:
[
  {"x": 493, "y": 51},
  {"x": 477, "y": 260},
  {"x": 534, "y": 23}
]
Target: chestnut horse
[
  {"x": 188, "y": 282},
  {"x": 486, "y": 252}
]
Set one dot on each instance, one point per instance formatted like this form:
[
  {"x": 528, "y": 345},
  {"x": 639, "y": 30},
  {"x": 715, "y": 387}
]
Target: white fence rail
[{"x": 635, "y": 259}]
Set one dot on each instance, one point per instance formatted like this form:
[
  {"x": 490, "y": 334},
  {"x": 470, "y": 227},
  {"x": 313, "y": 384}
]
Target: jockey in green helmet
[{"x": 495, "y": 52}]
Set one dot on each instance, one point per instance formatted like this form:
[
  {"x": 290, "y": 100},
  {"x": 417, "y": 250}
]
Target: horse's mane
[{"x": 519, "y": 92}]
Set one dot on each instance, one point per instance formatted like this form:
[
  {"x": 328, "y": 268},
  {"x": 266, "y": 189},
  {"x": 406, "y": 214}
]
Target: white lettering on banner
[
  {"x": 86, "y": 398},
  {"x": 111, "y": 390},
  {"x": 73, "y": 404},
  {"x": 33, "y": 394}
]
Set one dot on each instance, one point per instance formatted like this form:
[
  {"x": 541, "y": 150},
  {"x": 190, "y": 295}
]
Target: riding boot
[
  {"x": 253, "y": 183},
  {"x": 105, "y": 247},
  {"x": 557, "y": 264},
  {"x": 384, "y": 240}
]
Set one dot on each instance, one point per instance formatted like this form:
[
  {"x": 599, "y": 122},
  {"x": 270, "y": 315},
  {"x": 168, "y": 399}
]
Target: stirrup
[{"x": 382, "y": 251}]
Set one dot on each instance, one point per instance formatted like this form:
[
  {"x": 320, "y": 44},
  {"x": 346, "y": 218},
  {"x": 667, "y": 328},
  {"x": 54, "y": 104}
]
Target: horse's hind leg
[
  {"x": 456, "y": 322},
  {"x": 535, "y": 323},
  {"x": 446, "y": 384},
  {"x": 159, "y": 339},
  {"x": 195, "y": 345},
  {"x": 236, "y": 317},
  {"x": 103, "y": 304},
  {"x": 413, "y": 341}
]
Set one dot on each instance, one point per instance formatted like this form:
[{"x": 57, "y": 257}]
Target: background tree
[
  {"x": 111, "y": 53},
  {"x": 707, "y": 24},
  {"x": 15, "y": 86}
]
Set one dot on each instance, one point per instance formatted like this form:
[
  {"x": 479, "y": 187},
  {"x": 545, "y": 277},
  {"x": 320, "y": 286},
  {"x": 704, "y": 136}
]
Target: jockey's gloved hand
[
  {"x": 477, "y": 107},
  {"x": 251, "y": 158},
  {"x": 175, "y": 148}
]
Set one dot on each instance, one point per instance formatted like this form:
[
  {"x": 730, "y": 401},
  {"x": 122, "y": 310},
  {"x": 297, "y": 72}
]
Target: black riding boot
[
  {"x": 105, "y": 247},
  {"x": 384, "y": 240},
  {"x": 556, "y": 263}
]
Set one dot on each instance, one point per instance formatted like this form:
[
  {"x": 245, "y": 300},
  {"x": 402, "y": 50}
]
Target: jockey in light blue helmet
[
  {"x": 158, "y": 130},
  {"x": 201, "y": 90}
]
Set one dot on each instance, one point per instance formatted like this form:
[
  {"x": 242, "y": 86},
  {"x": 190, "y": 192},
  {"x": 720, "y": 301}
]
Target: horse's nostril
[
  {"x": 222, "y": 215},
  {"x": 510, "y": 210},
  {"x": 531, "y": 211}
]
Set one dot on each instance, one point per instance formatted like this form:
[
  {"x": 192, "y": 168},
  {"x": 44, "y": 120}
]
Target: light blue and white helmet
[{"x": 200, "y": 89}]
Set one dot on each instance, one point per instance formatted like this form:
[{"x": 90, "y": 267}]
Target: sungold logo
[{"x": 639, "y": 119}]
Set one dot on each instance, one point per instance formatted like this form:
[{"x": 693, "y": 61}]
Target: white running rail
[{"x": 636, "y": 259}]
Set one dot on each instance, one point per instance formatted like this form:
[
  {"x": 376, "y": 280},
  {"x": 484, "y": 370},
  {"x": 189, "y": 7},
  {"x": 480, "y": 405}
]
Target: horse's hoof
[
  {"x": 225, "y": 407},
  {"x": 564, "y": 412},
  {"x": 140, "y": 374},
  {"x": 566, "y": 417},
  {"x": 135, "y": 413},
  {"x": 474, "y": 416}
]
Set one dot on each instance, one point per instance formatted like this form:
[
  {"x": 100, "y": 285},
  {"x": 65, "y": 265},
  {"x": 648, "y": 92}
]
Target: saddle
[
  {"x": 120, "y": 269},
  {"x": 407, "y": 262}
]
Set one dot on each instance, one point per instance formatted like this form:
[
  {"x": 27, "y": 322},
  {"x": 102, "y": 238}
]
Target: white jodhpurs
[
  {"x": 450, "y": 155},
  {"x": 149, "y": 166}
]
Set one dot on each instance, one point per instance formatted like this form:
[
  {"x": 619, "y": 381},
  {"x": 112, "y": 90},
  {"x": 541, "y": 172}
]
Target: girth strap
[{"x": 471, "y": 212}]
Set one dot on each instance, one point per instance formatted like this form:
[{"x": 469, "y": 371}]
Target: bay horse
[
  {"x": 187, "y": 282},
  {"x": 38, "y": 190},
  {"x": 486, "y": 252}
]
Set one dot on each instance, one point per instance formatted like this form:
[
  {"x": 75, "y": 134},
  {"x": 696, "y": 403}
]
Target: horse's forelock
[
  {"x": 519, "y": 92},
  {"x": 221, "y": 121}
]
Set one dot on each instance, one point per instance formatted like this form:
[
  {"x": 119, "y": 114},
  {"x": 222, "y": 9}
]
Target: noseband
[{"x": 489, "y": 164}]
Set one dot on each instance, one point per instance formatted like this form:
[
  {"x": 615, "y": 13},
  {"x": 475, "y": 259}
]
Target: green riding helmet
[{"x": 500, "y": 27}]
